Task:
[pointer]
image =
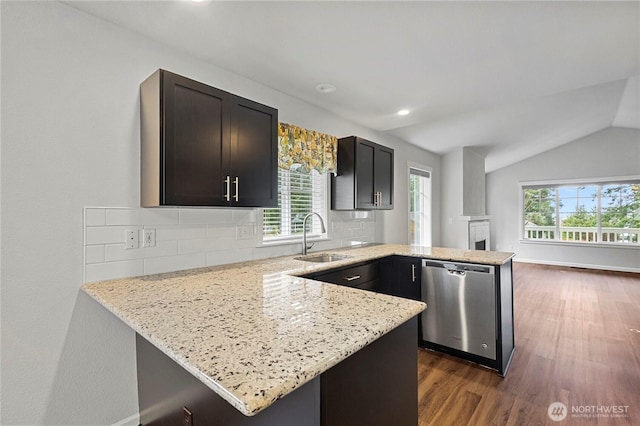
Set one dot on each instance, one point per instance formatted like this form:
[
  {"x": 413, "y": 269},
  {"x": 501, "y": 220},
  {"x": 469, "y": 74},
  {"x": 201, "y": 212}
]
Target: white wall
[
  {"x": 473, "y": 183},
  {"x": 608, "y": 153},
  {"x": 451, "y": 206},
  {"x": 70, "y": 139},
  {"x": 463, "y": 194},
  {"x": 395, "y": 223}
]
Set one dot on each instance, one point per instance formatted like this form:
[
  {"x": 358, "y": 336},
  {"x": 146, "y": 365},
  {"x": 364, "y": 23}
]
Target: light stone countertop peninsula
[{"x": 254, "y": 331}]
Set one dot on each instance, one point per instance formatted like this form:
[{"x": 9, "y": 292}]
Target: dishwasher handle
[{"x": 458, "y": 268}]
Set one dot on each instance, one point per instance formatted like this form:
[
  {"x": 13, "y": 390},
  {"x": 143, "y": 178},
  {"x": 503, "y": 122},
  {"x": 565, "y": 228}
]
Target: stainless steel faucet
[{"x": 304, "y": 231}]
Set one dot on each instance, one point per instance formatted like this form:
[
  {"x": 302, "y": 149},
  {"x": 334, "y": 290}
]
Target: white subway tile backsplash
[
  {"x": 229, "y": 256},
  {"x": 123, "y": 217},
  {"x": 147, "y": 217},
  {"x": 216, "y": 231},
  {"x": 159, "y": 265},
  {"x": 160, "y": 216},
  {"x": 115, "y": 252},
  {"x": 94, "y": 254},
  {"x": 106, "y": 234},
  {"x": 181, "y": 232},
  {"x": 94, "y": 217},
  {"x": 275, "y": 251},
  {"x": 205, "y": 216},
  {"x": 113, "y": 270},
  {"x": 354, "y": 225},
  {"x": 190, "y": 238},
  {"x": 206, "y": 244},
  {"x": 245, "y": 215}
]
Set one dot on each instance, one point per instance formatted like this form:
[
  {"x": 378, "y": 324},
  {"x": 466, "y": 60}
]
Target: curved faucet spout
[{"x": 304, "y": 230}]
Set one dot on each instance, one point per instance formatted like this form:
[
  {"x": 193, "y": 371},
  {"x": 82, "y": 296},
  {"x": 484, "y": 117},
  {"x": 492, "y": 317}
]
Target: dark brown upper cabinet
[
  {"x": 364, "y": 180},
  {"x": 202, "y": 146}
]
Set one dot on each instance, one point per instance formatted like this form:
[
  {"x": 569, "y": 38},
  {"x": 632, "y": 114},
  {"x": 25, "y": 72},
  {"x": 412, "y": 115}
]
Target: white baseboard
[
  {"x": 133, "y": 420},
  {"x": 578, "y": 265}
]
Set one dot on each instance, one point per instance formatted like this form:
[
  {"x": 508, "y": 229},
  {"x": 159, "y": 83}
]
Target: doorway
[{"x": 419, "y": 206}]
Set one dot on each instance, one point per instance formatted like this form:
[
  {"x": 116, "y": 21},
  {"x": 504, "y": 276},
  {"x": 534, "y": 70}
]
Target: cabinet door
[
  {"x": 194, "y": 134},
  {"x": 254, "y": 155},
  {"x": 406, "y": 277},
  {"x": 365, "y": 177},
  {"x": 384, "y": 176},
  {"x": 386, "y": 282}
]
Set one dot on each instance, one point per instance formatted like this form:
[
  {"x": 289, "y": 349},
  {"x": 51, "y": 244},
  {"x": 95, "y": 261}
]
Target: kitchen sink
[{"x": 323, "y": 257}]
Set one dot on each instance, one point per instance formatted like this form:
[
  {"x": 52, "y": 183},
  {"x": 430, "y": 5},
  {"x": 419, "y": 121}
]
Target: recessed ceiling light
[
  {"x": 325, "y": 88},
  {"x": 403, "y": 112}
]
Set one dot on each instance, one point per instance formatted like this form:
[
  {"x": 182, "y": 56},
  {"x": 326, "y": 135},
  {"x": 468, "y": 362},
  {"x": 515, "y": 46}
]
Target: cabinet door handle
[
  {"x": 379, "y": 198},
  {"x": 227, "y": 195},
  {"x": 355, "y": 277},
  {"x": 237, "y": 184},
  {"x": 413, "y": 273}
]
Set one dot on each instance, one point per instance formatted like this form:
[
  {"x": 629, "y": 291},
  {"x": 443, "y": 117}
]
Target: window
[
  {"x": 299, "y": 193},
  {"x": 419, "y": 207},
  {"x": 583, "y": 212}
]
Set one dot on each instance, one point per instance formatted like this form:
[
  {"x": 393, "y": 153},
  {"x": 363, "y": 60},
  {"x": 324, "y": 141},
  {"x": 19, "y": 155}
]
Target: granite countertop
[{"x": 254, "y": 331}]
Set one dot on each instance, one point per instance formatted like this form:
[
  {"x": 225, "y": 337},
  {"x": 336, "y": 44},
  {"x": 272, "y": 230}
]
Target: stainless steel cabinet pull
[
  {"x": 355, "y": 277},
  {"x": 227, "y": 195},
  {"x": 413, "y": 273},
  {"x": 377, "y": 198},
  {"x": 237, "y": 184}
]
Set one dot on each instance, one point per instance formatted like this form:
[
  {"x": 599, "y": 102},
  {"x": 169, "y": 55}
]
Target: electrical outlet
[
  {"x": 148, "y": 238},
  {"x": 244, "y": 232},
  {"x": 132, "y": 239}
]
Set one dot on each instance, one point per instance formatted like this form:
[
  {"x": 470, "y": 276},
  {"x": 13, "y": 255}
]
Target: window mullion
[
  {"x": 285, "y": 208},
  {"x": 557, "y": 235},
  {"x": 598, "y": 214}
]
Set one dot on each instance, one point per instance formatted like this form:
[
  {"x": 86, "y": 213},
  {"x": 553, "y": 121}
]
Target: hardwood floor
[{"x": 573, "y": 345}]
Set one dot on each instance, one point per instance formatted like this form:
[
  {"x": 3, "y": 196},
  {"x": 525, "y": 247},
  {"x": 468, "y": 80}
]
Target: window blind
[{"x": 299, "y": 193}]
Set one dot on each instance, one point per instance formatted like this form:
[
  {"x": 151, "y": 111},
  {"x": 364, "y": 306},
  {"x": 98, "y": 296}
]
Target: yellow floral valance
[{"x": 305, "y": 150}]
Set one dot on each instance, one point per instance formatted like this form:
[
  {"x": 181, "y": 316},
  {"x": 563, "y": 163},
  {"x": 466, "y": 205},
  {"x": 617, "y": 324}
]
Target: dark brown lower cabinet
[
  {"x": 402, "y": 275},
  {"x": 377, "y": 385},
  {"x": 374, "y": 386}
]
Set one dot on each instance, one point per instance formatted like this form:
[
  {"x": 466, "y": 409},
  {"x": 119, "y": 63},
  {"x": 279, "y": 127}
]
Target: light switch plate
[
  {"x": 132, "y": 239},
  {"x": 244, "y": 232}
]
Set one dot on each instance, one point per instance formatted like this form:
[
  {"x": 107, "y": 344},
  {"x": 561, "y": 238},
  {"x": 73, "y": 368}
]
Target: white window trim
[
  {"x": 569, "y": 182},
  {"x": 297, "y": 239},
  {"x": 412, "y": 165}
]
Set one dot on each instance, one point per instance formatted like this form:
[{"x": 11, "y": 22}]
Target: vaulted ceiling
[{"x": 510, "y": 78}]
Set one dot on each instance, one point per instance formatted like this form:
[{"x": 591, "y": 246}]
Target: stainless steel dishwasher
[{"x": 461, "y": 306}]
